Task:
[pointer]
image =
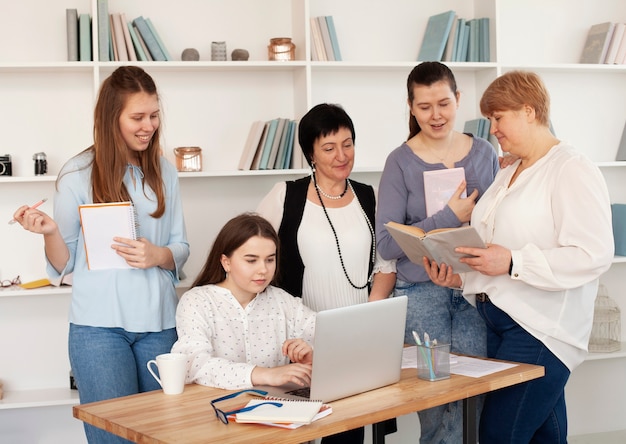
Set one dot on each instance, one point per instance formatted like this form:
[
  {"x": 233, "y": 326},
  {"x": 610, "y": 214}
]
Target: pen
[{"x": 38, "y": 204}]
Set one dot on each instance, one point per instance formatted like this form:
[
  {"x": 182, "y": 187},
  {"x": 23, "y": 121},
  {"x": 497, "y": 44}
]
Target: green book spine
[
  {"x": 103, "y": 31},
  {"x": 84, "y": 37}
]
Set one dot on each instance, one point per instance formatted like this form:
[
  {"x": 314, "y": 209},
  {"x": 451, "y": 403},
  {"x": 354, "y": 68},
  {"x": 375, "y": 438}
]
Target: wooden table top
[{"x": 188, "y": 418}]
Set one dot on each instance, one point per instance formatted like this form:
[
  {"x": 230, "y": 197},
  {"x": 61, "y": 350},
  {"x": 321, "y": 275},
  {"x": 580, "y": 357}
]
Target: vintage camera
[{"x": 6, "y": 168}]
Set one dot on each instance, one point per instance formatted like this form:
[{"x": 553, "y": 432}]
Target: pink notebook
[{"x": 439, "y": 186}]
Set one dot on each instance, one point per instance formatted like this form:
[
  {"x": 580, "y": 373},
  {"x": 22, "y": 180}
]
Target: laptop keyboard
[{"x": 303, "y": 392}]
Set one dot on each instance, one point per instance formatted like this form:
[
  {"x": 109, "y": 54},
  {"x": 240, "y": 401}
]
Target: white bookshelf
[{"x": 47, "y": 105}]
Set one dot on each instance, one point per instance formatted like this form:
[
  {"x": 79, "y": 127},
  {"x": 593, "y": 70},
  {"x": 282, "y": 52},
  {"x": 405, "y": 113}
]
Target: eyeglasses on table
[{"x": 223, "y": 416}]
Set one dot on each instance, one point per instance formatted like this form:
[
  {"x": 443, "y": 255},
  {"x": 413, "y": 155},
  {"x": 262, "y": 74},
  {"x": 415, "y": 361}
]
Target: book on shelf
[
  {"x": 130, "y": 49},
  {"x": 139, "y": 49},
  {"x": 157, "y": 37},
  {"x": 618, "y": 215},
  {"x": 282, "y": 147},
  {"x": 478, "y": 127},
  {"x": 256, "y": 161},
  {"x": 267, "y": 146},
  {"x": 620, "y": 57},
  {"x": 440, "y": 186},
  {"x": 298, "y": 160},
  {"x": 317, "y": 49},
  {"x": 103, "y": 31},
  {"x": 614, "y": 44},
  {"x": 621, "y": 148},
  {"x": 100, "y": 223},
  {"x": 149, "y": 39},
  {"x": 142, "y": 43},
  {"x": 330, "y": 22},
  {"x": 71, "y": 28},
  {"x": 328, "y": 46},
  {"x": 118, "y": 37},
  {"x": 436, "y": 36},
  {"x": 452, "y": 39},
  {"x": 275, "y": 144},
  {"x": 472, "y": 50},
  {"x": 597, "y": 43},
  {"x": 484, "y": 49},
  {"x": 437, "y": 245},
  {"x": 252, "y": 144},
  {"x": 289, "y": 411},
  {"x": 457, "y": 50},
  {"x": 285, "y": 158},
  {"x": 84, "y": 38},
  {"x": 113, "y": 54}
]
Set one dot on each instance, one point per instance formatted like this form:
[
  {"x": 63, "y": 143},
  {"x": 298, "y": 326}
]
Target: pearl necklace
[
  {"x": 332, "y": 227},
  {"x": 330, "y": 196}
]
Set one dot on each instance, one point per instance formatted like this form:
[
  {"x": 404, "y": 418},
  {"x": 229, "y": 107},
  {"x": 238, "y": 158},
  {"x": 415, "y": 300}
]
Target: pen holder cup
[{"x": 433, "y": 362}]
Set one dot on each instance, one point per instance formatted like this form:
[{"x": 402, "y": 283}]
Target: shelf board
[{"x": 20, "y": 399}]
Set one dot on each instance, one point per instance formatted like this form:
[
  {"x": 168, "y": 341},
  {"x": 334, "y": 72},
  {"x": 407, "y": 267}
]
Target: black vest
[{"x": 291, "y": 267}]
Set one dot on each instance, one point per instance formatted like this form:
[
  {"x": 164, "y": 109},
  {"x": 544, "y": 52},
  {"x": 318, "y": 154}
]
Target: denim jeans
[
  {"x": 111, "y": 362},
  {"x": 445, "y": 315},
  {"x": 532, "y": 412}
]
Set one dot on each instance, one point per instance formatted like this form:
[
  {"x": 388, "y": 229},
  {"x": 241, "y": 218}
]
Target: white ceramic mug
[{"x": 172, "y": 369}]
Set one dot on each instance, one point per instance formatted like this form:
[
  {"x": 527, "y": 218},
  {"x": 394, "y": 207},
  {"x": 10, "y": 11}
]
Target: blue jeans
[
  {"x": 445, "y": 315},
  {"x": 532, "y": 412},
  {"x": 111, "y": 362}
]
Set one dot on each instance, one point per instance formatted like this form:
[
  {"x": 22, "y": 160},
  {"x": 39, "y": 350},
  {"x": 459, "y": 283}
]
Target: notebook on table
[{"x": 356, "y": 349}]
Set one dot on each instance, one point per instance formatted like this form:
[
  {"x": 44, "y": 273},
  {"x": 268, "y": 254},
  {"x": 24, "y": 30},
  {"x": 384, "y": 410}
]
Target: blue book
[
  {"x": 141, "y": 55},
  {"x": 285, "y": 156},
  {"x": 149, "y": 39},
  {"x": 84, "y": 37},
  {"x": 458, "y": 41},
  {"x": 267, "y": 148},
  {"x": 484, "y": 53},
  {"x": 158, "y": 39},
  {"x": 618, "y": 212},
  {"x": 293, "y": 125},
  {"x": 464, "y": 44},
  {"x": 333, "y": 37},
  {"x": 472, "y": 51},
  {"x": 436, "y": 36}
]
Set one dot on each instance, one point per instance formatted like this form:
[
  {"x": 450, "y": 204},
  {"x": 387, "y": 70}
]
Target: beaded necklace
[
  {"x": 332, "y": 227},
  {"x": 330, "y": 196}
]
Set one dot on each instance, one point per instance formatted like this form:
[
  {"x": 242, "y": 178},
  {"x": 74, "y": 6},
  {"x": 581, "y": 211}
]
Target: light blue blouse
[{"x": 136, "y": 300}]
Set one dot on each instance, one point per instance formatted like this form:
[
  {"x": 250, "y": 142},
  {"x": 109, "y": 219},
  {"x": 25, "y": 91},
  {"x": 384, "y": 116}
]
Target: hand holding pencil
[{"x": 32, "y": 207}]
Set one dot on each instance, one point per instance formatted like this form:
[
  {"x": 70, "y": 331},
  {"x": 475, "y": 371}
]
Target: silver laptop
[{"x": 356, "y": 349}]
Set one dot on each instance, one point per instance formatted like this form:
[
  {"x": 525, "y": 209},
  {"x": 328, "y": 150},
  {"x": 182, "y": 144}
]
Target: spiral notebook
[{"x": 102, "y": 222}]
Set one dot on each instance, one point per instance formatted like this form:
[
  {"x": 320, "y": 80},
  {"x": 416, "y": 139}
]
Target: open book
[
  {"x": 100, "y": 224},
  {"x": 437, "y": 245}
]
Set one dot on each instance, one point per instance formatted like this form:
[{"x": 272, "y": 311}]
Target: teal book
[
  {"x": 284, "y": 146},
  {"x": 141, "y": 55},
  {"x": 484, "y": 53},
  {"x": 158, "y": 39},
  {"x": 618, "y": 212},
  {"x": 333, "y": 37},
  {"x": 103, "y": 31},
  {"x": 458, "y": 41},
  {"x": 472, "y": 51},
  {"x": 436, "y": 36},
  {"x": 267, "y": 148},
  {"x": 84, "y": 38},
  {"x": 149, "y": 39},
  {"x": 463, "y": 56},
  {"x": 452, "y": 38},
  {"x": 289, "y": 151},
  {"x": 278, "y": 135},
  {"x": 472, "y": 127}
]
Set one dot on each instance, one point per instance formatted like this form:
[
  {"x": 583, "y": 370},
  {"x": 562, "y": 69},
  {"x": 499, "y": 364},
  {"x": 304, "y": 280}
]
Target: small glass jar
[
  {"x": 282, "y": 49},
  {"x": 41, "y": 164},
  {"x": 188, "y": 158}
]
